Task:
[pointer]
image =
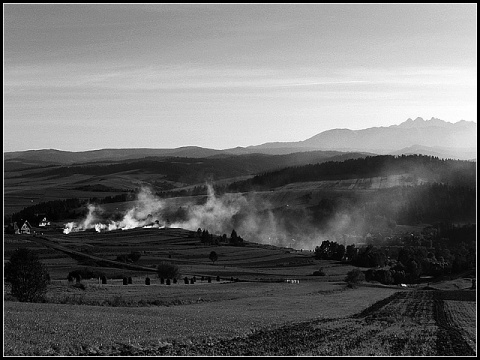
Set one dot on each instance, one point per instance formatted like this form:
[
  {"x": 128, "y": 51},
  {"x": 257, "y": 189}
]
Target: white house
[
  {"x": 25, "y": 229},
  {"x": 44, "y": 222}
]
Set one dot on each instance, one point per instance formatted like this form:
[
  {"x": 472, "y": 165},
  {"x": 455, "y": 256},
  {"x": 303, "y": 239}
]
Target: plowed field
[{"x": 405, "y": 324}]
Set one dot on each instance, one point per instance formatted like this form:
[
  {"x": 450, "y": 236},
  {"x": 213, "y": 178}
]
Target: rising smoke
[
  {"x": 146, "y": 206},
  {"x": 252, "y": 216}
]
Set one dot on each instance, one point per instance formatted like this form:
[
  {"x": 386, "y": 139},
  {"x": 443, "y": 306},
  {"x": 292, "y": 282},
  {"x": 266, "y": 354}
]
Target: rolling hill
[{"x": 27, "y": 182}]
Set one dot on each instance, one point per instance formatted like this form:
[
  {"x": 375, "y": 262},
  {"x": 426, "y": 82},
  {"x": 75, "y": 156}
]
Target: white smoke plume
[
  {"x": 251, "y": 216},
  {"x": 146, "y": 207},
  {"x": 86, "y": 224},
  {"x": 216, "y": 215}
]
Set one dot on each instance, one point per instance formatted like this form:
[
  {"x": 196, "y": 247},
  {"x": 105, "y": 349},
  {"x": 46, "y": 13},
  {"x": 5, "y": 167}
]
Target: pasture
[{"x": 260, "y": 314}]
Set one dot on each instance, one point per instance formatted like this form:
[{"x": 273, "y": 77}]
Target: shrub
[
  {"x": 319, "y": 272},
  {"x": 28, "y": 277},
  {"x": 167, "y": 270},
  {"x": 79, "y": 285},
  {"x": 354, "y": 277}
]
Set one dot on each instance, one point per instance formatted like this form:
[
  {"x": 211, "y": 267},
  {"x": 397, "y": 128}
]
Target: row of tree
[{"x": 211, "y": 239}]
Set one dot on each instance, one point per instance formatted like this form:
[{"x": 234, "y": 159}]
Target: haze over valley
[
  {"x": 220, "y": 189},
  {"x": 240, "y": 179}
]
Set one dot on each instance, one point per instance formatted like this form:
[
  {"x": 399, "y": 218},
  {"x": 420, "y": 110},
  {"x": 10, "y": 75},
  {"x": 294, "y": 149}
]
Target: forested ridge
[
  {"x": 449, "y": 196},
  {"x": 183, "y": 169},
  {"x": 433, "y": 169}
]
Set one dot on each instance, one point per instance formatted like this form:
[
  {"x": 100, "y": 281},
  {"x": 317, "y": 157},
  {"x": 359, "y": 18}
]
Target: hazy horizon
[
  {"x": 188, "y": 146},
  {"x": 81, "y": 77}
]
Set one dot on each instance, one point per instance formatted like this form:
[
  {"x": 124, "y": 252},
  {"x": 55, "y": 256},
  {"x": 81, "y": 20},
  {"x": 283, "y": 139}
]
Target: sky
[{"x": 83, "y": 77}]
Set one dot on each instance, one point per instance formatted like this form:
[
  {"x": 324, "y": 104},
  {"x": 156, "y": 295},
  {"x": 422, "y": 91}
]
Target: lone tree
[
  {"x": 27, "y": 275},
  {"x": 213, "y": 256},
  {"x": 354, "y": 277}
]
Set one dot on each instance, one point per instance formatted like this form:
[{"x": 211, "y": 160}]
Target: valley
[
  {"x": 229, "y": 180},
  {"x": 274, "y": 287}
]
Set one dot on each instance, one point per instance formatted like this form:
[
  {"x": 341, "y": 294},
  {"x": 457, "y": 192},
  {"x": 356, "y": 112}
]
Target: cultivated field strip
[
  {"x": 463, "y": 315},
  {"x": 407, "y": 323},
  {"x": 228, "y": 311},
  {"x": 450, "y": 339},
  {"x": 404, "y": 324}
]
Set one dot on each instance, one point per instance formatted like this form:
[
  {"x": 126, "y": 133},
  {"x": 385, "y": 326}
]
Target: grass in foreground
[
  {"x": 64, "y": 329},
  {"x": 392, "y": 323}
]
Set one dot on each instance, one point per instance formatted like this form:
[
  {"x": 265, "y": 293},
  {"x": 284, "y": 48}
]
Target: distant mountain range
[{"x": 433, "y": 137}]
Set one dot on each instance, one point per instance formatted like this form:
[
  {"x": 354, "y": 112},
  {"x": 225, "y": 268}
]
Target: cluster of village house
[{"x": 27, "y": 228}]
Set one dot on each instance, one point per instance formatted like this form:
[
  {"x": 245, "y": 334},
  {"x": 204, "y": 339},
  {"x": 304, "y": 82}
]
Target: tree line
[
  {"x": 57, "y": 210},
  {"x": 453, "y": 172},
  {"x": 210, "y": 239},
  {"x": 446, "y": 251}
]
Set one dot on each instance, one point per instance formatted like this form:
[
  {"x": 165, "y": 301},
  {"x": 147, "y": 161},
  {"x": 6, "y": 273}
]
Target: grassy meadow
[{"x": 258, "y": 313}]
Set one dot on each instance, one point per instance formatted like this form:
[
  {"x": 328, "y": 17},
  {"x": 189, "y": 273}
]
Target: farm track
[{"x": 408, "y": 323}]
